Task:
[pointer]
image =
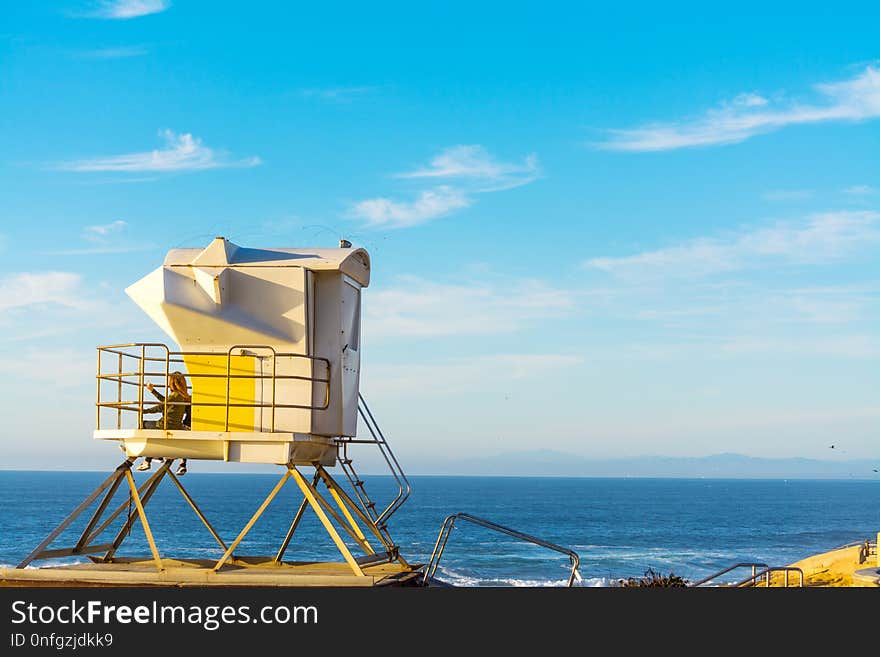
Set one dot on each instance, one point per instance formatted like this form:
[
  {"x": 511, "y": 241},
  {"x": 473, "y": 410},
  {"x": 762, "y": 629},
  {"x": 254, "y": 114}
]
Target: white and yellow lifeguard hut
[{"x": 269, "y": 342}]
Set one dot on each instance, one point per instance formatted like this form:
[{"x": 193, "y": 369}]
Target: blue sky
[{"x": 605, "y": 232}]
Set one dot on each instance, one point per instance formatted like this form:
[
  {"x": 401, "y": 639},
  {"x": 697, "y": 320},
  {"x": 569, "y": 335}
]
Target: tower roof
[{"x": 222, "y": 253}]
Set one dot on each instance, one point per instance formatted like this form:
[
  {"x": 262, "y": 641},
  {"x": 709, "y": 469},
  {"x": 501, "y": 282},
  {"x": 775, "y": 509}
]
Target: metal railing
[
  {"x": 449, "y": 522},
  {"x": 754, "y": 565},
  {"x": 138, "y": 354},
  {"x": 377, "y": 438},
  {"x": 867, "y": 548},
  {"x": 766, "y": 575}
]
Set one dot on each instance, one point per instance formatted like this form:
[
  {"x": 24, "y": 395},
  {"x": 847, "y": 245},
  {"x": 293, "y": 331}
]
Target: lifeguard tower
[{"x": 269, "y": 342}]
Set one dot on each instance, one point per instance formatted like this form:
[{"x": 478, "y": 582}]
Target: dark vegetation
[{"x": 651, "y": 578}]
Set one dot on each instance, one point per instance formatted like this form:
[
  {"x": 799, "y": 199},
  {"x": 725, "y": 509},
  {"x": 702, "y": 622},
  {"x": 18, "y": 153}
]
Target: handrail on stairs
[
  {"x": 449, "y": 522},
  {"x": 767, "y": 579},
  {"x": 754, "y": 565}
]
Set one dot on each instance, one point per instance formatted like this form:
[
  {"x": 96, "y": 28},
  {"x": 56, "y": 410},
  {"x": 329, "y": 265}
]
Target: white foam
[{"x": 461, "y": 580}]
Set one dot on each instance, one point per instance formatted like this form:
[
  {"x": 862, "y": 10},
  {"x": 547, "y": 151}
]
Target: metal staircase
[{"x": 380, "y": 519}]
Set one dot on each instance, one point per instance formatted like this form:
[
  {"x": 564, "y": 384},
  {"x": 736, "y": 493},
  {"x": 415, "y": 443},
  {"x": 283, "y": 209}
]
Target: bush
[{"x": 651, "y": 578}]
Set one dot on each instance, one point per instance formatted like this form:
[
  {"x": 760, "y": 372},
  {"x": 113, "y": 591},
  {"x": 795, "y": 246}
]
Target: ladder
[{"x": 377, "y": 438}]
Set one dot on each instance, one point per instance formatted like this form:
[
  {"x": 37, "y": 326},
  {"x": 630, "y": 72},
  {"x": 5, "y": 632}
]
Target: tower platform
[{"x": 271, "y": 447}]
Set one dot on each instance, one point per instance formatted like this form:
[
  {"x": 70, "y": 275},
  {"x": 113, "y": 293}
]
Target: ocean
[{"x": 620, "y": 528}]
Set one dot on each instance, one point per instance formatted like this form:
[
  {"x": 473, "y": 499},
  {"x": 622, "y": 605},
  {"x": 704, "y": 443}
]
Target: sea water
[{"x": 619, "y": 528}]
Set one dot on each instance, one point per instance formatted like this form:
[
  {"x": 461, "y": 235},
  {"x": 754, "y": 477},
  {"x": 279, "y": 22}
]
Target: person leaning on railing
[{"x": 175, "y": 415}]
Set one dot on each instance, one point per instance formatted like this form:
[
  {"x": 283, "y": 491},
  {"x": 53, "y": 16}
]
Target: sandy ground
[{"x": 848, "y": 566}]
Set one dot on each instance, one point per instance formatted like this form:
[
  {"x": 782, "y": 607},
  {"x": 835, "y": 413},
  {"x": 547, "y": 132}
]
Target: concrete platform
[{"x": 243, "y": 571}]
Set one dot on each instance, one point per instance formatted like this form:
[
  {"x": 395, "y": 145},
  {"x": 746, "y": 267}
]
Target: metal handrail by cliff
[
  {"x": 867, "y": 548},
  {"x": 754, "y": 565},
  {"x": 766, "y": 575},
  {"x": 449, "y": 522}
]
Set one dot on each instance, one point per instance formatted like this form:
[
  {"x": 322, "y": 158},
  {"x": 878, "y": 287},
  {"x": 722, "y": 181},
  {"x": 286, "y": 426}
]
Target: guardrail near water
[{"x": 448, "y": 524}]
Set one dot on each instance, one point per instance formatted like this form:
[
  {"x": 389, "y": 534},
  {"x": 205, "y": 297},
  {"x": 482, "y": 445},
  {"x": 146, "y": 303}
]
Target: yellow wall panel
[{"x": 213, "y": 390}]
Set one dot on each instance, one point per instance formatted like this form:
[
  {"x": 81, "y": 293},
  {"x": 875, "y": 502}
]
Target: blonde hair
[{"x": 177, "y": 383}]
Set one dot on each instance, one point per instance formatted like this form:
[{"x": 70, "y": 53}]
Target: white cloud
[
  {"x": 819, "y": 238},
  {"x": 182, "y": 153},
  {"x": 472, "y": 170},
  {"x": 419, "y": 308},
  {"x": 121, "y": 52},
  {"x": 841, "y": 304},
  {"x": 430, "y": 204},
  {"x": 860, "y": 190},
  {"x": 784, "y": 195},
  {"x": 842, "y": 346},
  {"x": 749, "y": 100},
  {"x": 104, "y": 239},
  {"x": 63, "y": 367},
  {"x": 748, "y": 115},
  {"x": 338, "y": 94},
  {"x": 103, "y": 249},
  {"x": 102, "y": 231},
  {"x": 473, "y": 162},
  {"x": 125, "y": 9},
  {"x": 27, "y": 289},
  {"x": 461, "y": 375}
]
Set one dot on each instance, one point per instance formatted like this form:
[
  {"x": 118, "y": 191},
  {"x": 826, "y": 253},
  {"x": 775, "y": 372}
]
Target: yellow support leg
[
  {"x": 309, "y": 492},
  {"x": 143, "y": 516},
  {"x": 351, "y": 521},
  {"x": 196, "y": 508},
  {"x": 251, "y": 522},
  {"x": 352, "y": 505}
]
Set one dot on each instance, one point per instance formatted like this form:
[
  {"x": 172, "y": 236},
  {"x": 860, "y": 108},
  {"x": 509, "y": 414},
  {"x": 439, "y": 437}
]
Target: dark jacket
[{"x": 178, "y": 415}]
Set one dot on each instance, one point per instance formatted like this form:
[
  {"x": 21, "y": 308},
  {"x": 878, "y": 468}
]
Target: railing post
[
  {"x": 228, "y": 365},
  {"x": 167, "y": 390},
  {"x": 273, "y": 387},
  {"x": 119, "y": 392},
  {"x": 98, "y": 404},
  {"x": 141, "y": 387}
]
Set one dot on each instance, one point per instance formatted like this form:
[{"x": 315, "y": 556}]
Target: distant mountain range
[{"x": 545, "y": 462}]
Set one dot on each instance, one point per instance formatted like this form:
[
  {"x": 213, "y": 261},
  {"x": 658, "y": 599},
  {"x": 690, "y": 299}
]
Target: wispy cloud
[
  {"x": 182, "y": 152},
  {"x": 819, "y": 238},
  {"x": 104, "y": 230},
  {"x": 474, "y": 164},
  {"x": 465, "y": 171},
  {"x": 339, "y": 94},
  {"x": 120, "y": 52},
  {"x": 461, "y": 375},
  {"x": 28, "y": 289},
  {"x": 104, "y": 239},
  {"x": 786, "y": 195},
  {"x": 106, "y": 249},
  {"x": 747, "y": 115},
  {"x": 419, "y": 308},
  {"x": 430, "y": 204},
  {"x": 860, "y": 190},
  {"x": 39, "y": 306},
  {"x": 126, "y": 9},
  {"x": 62, "y": 367},
  {"x": 845, "y": 346}
]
